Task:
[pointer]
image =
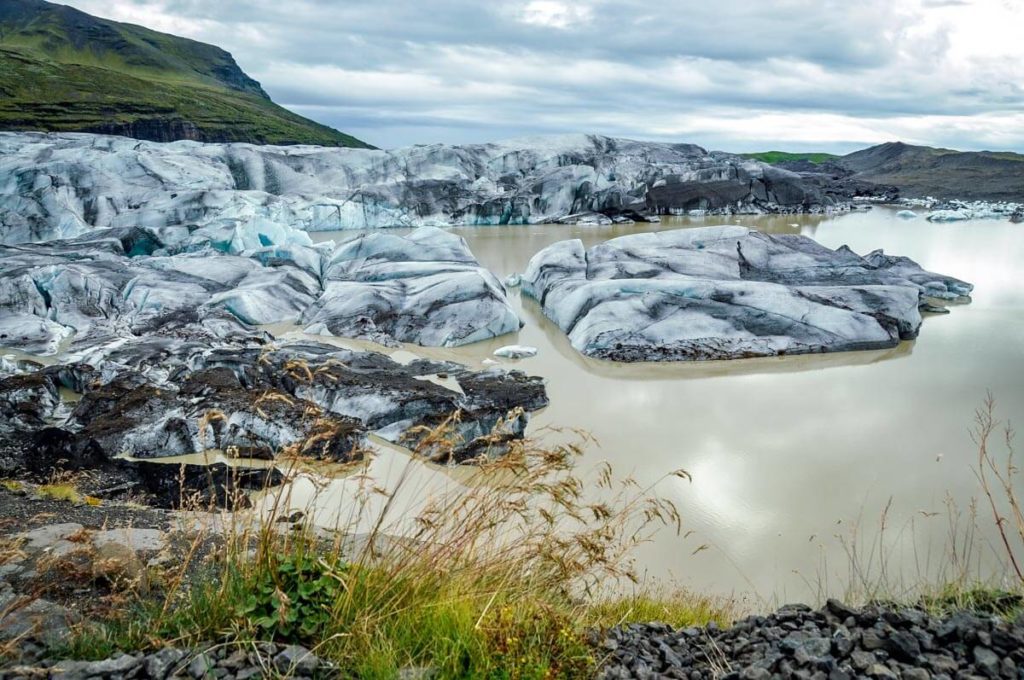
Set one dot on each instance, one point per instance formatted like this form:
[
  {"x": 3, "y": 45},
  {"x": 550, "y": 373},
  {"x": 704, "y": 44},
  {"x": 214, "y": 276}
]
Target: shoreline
[{"x": 938, "y": 638}]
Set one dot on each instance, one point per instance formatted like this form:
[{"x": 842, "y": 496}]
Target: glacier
[
  {"x": 158, "y": 329},
  {"x": 62, "y": 185},
  {"x": 424, "y": 288},
  {"x": 184, "y": 391},
  {"x": 729, "y": 292}
]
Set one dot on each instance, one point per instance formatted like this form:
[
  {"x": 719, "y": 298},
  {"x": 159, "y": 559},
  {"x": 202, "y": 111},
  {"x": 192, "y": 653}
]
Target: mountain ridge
[
  {"x": 63, "y": 70},
  {"x": 918, "y": 171}
]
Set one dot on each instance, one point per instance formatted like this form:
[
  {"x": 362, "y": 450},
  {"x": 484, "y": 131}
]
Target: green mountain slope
[
  {"x": 64, "y": 70},
  {"x": 773, "y": 157}
]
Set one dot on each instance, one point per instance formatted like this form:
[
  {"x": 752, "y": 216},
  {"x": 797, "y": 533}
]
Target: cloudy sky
[{"x": 829, "y": 75}]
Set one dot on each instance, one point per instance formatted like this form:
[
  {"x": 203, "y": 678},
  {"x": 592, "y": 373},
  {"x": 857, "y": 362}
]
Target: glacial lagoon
[{"x": 796, "y": 461}]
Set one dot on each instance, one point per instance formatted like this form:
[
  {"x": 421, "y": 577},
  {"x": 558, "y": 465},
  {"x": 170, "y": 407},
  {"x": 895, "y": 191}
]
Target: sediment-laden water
[{"x": 794, "y": 459}]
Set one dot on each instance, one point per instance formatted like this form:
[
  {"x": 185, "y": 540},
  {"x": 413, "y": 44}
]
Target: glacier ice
[
  {"x": 728, "y": 292},
  {"x": 516, "y": 352},
  {"x": 238, "y": 197},
  {"x": 32, "y": 334},
  {"x": 424, "y": 288}
]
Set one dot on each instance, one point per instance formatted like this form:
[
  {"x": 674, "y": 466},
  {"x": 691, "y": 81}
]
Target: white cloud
[
  {"x": 552, "y": 14},
  {"x": 825, "y": 74}
]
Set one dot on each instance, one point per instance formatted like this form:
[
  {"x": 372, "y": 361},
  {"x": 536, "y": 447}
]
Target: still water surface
[{"x": 789, "y": 456}]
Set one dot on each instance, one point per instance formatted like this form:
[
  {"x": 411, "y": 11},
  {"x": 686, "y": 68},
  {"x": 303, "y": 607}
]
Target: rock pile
[
  {"x": 835, "y": 643},
  {"x": 222, "y": 662}
]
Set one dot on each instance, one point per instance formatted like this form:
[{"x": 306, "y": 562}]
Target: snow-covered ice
[{"x": 424, "y": 288}]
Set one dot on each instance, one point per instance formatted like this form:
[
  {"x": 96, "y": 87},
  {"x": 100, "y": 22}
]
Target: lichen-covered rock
[{"x": 728, "y": 292}]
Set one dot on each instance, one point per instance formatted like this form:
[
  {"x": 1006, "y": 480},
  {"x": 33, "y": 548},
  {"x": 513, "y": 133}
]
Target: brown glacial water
[{"x": 794, "y": 460}]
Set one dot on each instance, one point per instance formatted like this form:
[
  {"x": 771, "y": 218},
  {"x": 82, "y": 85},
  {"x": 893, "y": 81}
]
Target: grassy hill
[
  {"x": 773, "y": 157},
  {"x": 64, "y": 70}
]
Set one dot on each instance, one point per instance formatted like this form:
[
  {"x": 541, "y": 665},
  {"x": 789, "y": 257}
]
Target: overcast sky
[{"x": 831, "y": 75}]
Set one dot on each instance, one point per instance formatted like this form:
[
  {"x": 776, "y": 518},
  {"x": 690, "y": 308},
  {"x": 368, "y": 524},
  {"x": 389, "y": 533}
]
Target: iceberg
[
  {"x": 516, "y": 352},
  {"x": 425, "y": 288},
  {"x": 728, "y": 292}
]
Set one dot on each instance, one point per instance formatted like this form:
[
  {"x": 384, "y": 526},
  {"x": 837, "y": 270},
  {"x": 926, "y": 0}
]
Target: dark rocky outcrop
[
  {"x": 737, "y": 188},
  {"x": 314, "y": 400},
  {"x": 836, "y": 642},
  {"x": 903, "y": 170}
]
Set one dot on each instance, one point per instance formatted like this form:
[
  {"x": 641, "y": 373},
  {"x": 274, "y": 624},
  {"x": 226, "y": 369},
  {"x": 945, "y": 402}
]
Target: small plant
[
  {"x": 990, "y": 601},
  {"x": 291, "y": 599},
  {"x": 11, "y": 550},
  {"x": 998, "y": 479},
  {"x": 60, "y": 492}
]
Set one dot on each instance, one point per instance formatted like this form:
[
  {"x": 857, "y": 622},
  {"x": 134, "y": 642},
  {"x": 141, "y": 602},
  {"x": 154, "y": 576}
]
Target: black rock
[
  {"x": 903, "y": 645},
  {"x": 836, "y": 643},
  {"x": 986, "y": 661}
]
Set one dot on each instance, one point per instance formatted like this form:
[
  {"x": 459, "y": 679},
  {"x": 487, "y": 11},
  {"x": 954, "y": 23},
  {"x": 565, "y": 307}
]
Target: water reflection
[
  {"x": 790, "y": 454},
  {"x": 683, "y": 370}
]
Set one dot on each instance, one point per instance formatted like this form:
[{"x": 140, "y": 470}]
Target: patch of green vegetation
[
  {"x": 374, "y": 622},
  {"x": 63, "y": 70},
  {"x": 292, "y": 601},
  {"x": 978, "y": 598},
  {"x": 60, "y": 492},
  {"x": 773, "y": 157},
  {"x": 1004, "y": 156},
  {"x": 679, "y": 609}
]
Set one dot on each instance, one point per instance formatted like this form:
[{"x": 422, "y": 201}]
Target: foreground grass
[
  {"x": 373, "y": 623},
  {"x": 506, "y": 580},
  {"x": 502, "y": 580}
]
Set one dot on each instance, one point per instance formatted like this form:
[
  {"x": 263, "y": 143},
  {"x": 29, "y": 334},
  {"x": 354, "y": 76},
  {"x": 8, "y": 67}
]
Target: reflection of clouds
[
  {"x": 392, "y": 490},
  {"x": 783, "y": 450},
  {"x": 719, "y": 494},
  {"x": 986, "y": 253}
]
